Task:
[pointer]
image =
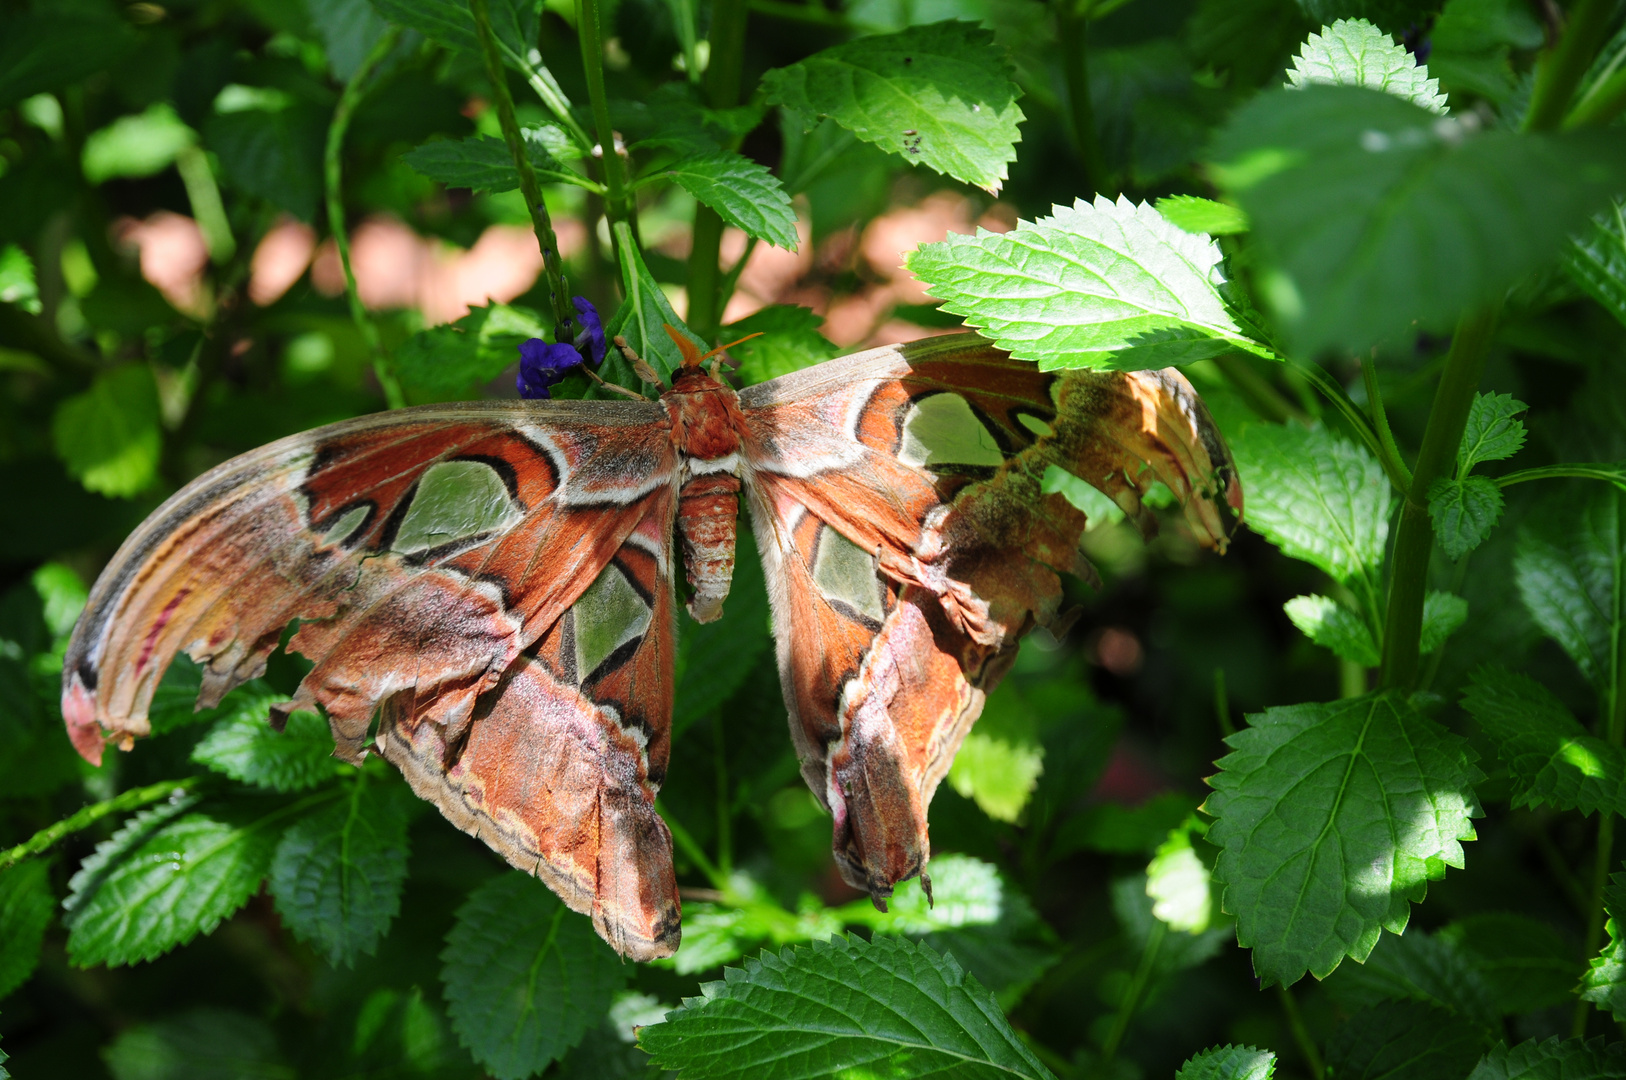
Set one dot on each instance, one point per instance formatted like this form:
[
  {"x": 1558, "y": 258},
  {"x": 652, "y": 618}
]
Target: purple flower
[
  {"x": 592, "y": 335},
  {"x": 541, "y": 364}
]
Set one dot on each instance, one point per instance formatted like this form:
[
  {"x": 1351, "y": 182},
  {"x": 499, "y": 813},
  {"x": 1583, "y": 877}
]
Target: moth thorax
[{"x": 708, "y": 506}]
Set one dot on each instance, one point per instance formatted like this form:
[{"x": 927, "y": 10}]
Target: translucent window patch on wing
[
  {"x": 348, "y": 523},
  {"x": 942, "y": 430},
  {"x": 611, "y": 613},
  {"x": 455, "y": 499},
  {"x": 845, "y": 573}
]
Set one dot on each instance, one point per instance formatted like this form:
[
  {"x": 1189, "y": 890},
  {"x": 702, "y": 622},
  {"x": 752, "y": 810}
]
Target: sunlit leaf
[
  {"x": 790, "y": 341},
  {"x": 1604, "y": 983},
  {"x": 1198, "y": 215},
  {"x": 1353, "y": 52},
  {"x": 245, "y": 747},
  {"x": 109, "y": 436},
  {"x": 1229, "y": 1063},
  {"x": 138, "y": 145},
  {"x": 483, "y": 163},
  {"x": 744, "y": 194},
  {"x": 1333, "y": 626}
]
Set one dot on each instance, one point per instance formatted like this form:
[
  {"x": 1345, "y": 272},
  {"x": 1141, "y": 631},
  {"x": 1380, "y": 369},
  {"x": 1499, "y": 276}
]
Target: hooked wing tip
[{"x": 79, "y": 713}]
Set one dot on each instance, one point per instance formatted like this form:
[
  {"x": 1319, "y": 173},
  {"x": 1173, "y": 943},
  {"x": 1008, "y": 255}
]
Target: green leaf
[
  {"x": 1229, "y": 1063},
  {"x": 54, "y": 47},
  {"x": 1197, "y": 215},
  {"x": 349, "y": 30},
  {"x": 1569, "y": 564},
  {"x": 1332, "y": 819},
  {"x": 525, "y": 976},
  {"x": 1178, "y": 882},
  {"x": 1333, "y": 626},
  {"x": 453, "y": 360},
  {"x": 641, "y": 319},
  {"x": 938, "y": 95},
  {"x": 1000, "y": 762},
  {"x": 161, "y": 880},
  {"x": 17, "y": 284},
  {"x": 62, "y": 596},
  {"x": 133, "y": 146},
  {"x": 744, "y": 194},
  {"x": 1353, "y": 52},
  {"x": 26, "y": 905},
  {"x": 1443, "y": 615},
  {"x": 841, "y": 1007},
  {"x": 337, "y": 875},
  {"x": 513, "y": 23},
  {"x": 272, "y": 153},
  {"x": 1604, "y": 983},
  {"x": 1552, "y": 758},
  {"x": 1494, "y": 431},
  {"x": 1164, "y": 949},
  {"x": 483, "y": 163},
  {"x": 1417, "y": 967},
  {"x": 109, "y": 436},
  {"x": 1571, "y": 1059},
  {"x": 1524, "y": 964},
  {"x": 1403, "y": 1041},
  {"x": 1102, "y": 285},
  {"x": 790, "y": 341},
  {"x": 199, "y": 1044},
  {"x": 1472, "y": 40},
  {"x": 245, "y": 747},
  {"x": 1596, "y": 260},
  {"x": 1464, "y": 512},
  {"x": 1316, "y": 496},
  {"x": 1373, "y": 212}
]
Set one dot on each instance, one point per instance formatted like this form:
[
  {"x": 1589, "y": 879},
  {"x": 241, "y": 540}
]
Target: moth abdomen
[{"x": 708, "y": 507}]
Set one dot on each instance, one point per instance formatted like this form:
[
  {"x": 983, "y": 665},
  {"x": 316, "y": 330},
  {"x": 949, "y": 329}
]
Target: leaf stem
[
  {"x": 1586, "y": 470},
  {"x": 691, "y": 847},
  {"x": 723, "y": 74},
  {"x": 1380, "y": 424},
  {"x": 1222, "y": 705},
  {"x": 124, "y": 801},
  {"x": 1301, "y": 1033},
  {"x": 1137, "y": 986},
  {"x": 617, "y": 204},
  {"x": 1414, "y": 539},
  {"x": 1263, "y": 398},
  {"x": 1561, "y": 69},
  {"x": 333, "y": 176},
  {"x": 558, "y": 296},
  {"x": 1393, "y": 467}
]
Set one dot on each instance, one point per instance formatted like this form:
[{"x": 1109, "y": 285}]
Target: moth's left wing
[{"x": 897, "y": 500}]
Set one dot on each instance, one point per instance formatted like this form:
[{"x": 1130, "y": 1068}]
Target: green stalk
[
  {"x": 1137, "y": 987},
  {"x": 1073, "y": 33},
  {"x": 125, "y": 801},
  {"x": 691, "y": 847},
  {"x": 1584, "y": 470},
  {"x": 1263, "y": 398},
  {"x": 616, "y": 202},
  {"x": 1380, "y": 424},
  {"x": 723, "y": 75},
  {"x": 333, "y": 175},
  {"x": 558, "y": 296},
  {"x": 1414, "y": 539},
  {"x": 1393, "y": 467},
  {"x": 1560, "y": 71},
  {"x": 204, "y": 195},
  {"x": 1301, "y": 1033}
]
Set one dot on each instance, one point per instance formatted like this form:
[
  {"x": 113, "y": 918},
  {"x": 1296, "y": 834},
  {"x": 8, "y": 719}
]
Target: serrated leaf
[
  {"x": 1178, "y": 883},
  {"x": 160, "y": 881},
  {"x": 1524, "y": 964},
  {"x": 1403, "y": 1041},
  {"x": 26, "y": 905},
  {"x": 1001, "y": 759},
  {"x": 1098, "y": 285},
  {"x": 641, "y": 319},
  {"x": 1332, "y": 626},
  {"x": 525, "y": 976},
  {"x": 349, "y": 30},
  {"x": 1421, "y": 967},
  {"x": 1373, "y": 213},
  {"x": 1198, "y": 215},
  {"x": 1229, "y": 1063},
  {"x": 829, "y": 1007},
  {"x": 744, "y": 194},
  {"x": 1443, "y": 614},
  {"x": 337, "y": 875},
  {"x": 1571, "y": 1059},
  {"x": 273, "y": 154},
  {"x": 1464, "y": 512},
  {"x": 1596, "y": 260},
  {"x": 1494, "y": 431},
  {"x": 939, "y": 95},
  {"x": 790, "y": 341},
  {"x": 199, "y": 1044},
  {"x": 1604, "y": 983},
  {"x": 1552, "y": 758},
  {"x": 459, "y": 357},
  {"x": 1316, "y": 496},
  {"x": 1569, "y": 564},
  {"x": 1353, "y": 52},
  {"x": 513, "y": 23},
  {"x": 1332, "y": 819},
  {"x": 245, "y": 747},
  {"x": 483, "y": 163},
  {"x": 109, "y": 436}
]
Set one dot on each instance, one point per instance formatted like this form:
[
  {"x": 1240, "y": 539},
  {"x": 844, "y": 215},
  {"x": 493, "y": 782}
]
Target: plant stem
[
  {"x": 333, "y": 174},
  {"x": 723, "y": 75},
  {"x": 1222, "y": 704},
  {"x": 1380, "y": 423},
  {"x": 1393, "y": 467},
  {"x": 616, "y": 204},
  {"x": 1585, "y": 470},
  {"x": 1560, "y": 71},
  {"x": 1602, "y": 104},
  {"x": 1301, "y": 1034},
  {"x": 1262, "y": 398},
  {"x": 558, "y": 296},
  {"x": 691, "y": 847},
  {"x": 1072, "y": 31},
  {"x": 124, "y": 801},
  {"x": 1414, "y": 539},
  {"x": 1137, "y": 986}
]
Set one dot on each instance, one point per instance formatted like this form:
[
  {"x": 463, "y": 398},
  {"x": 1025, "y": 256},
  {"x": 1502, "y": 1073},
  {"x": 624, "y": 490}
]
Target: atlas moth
[{"x": 487, "y": 589}]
